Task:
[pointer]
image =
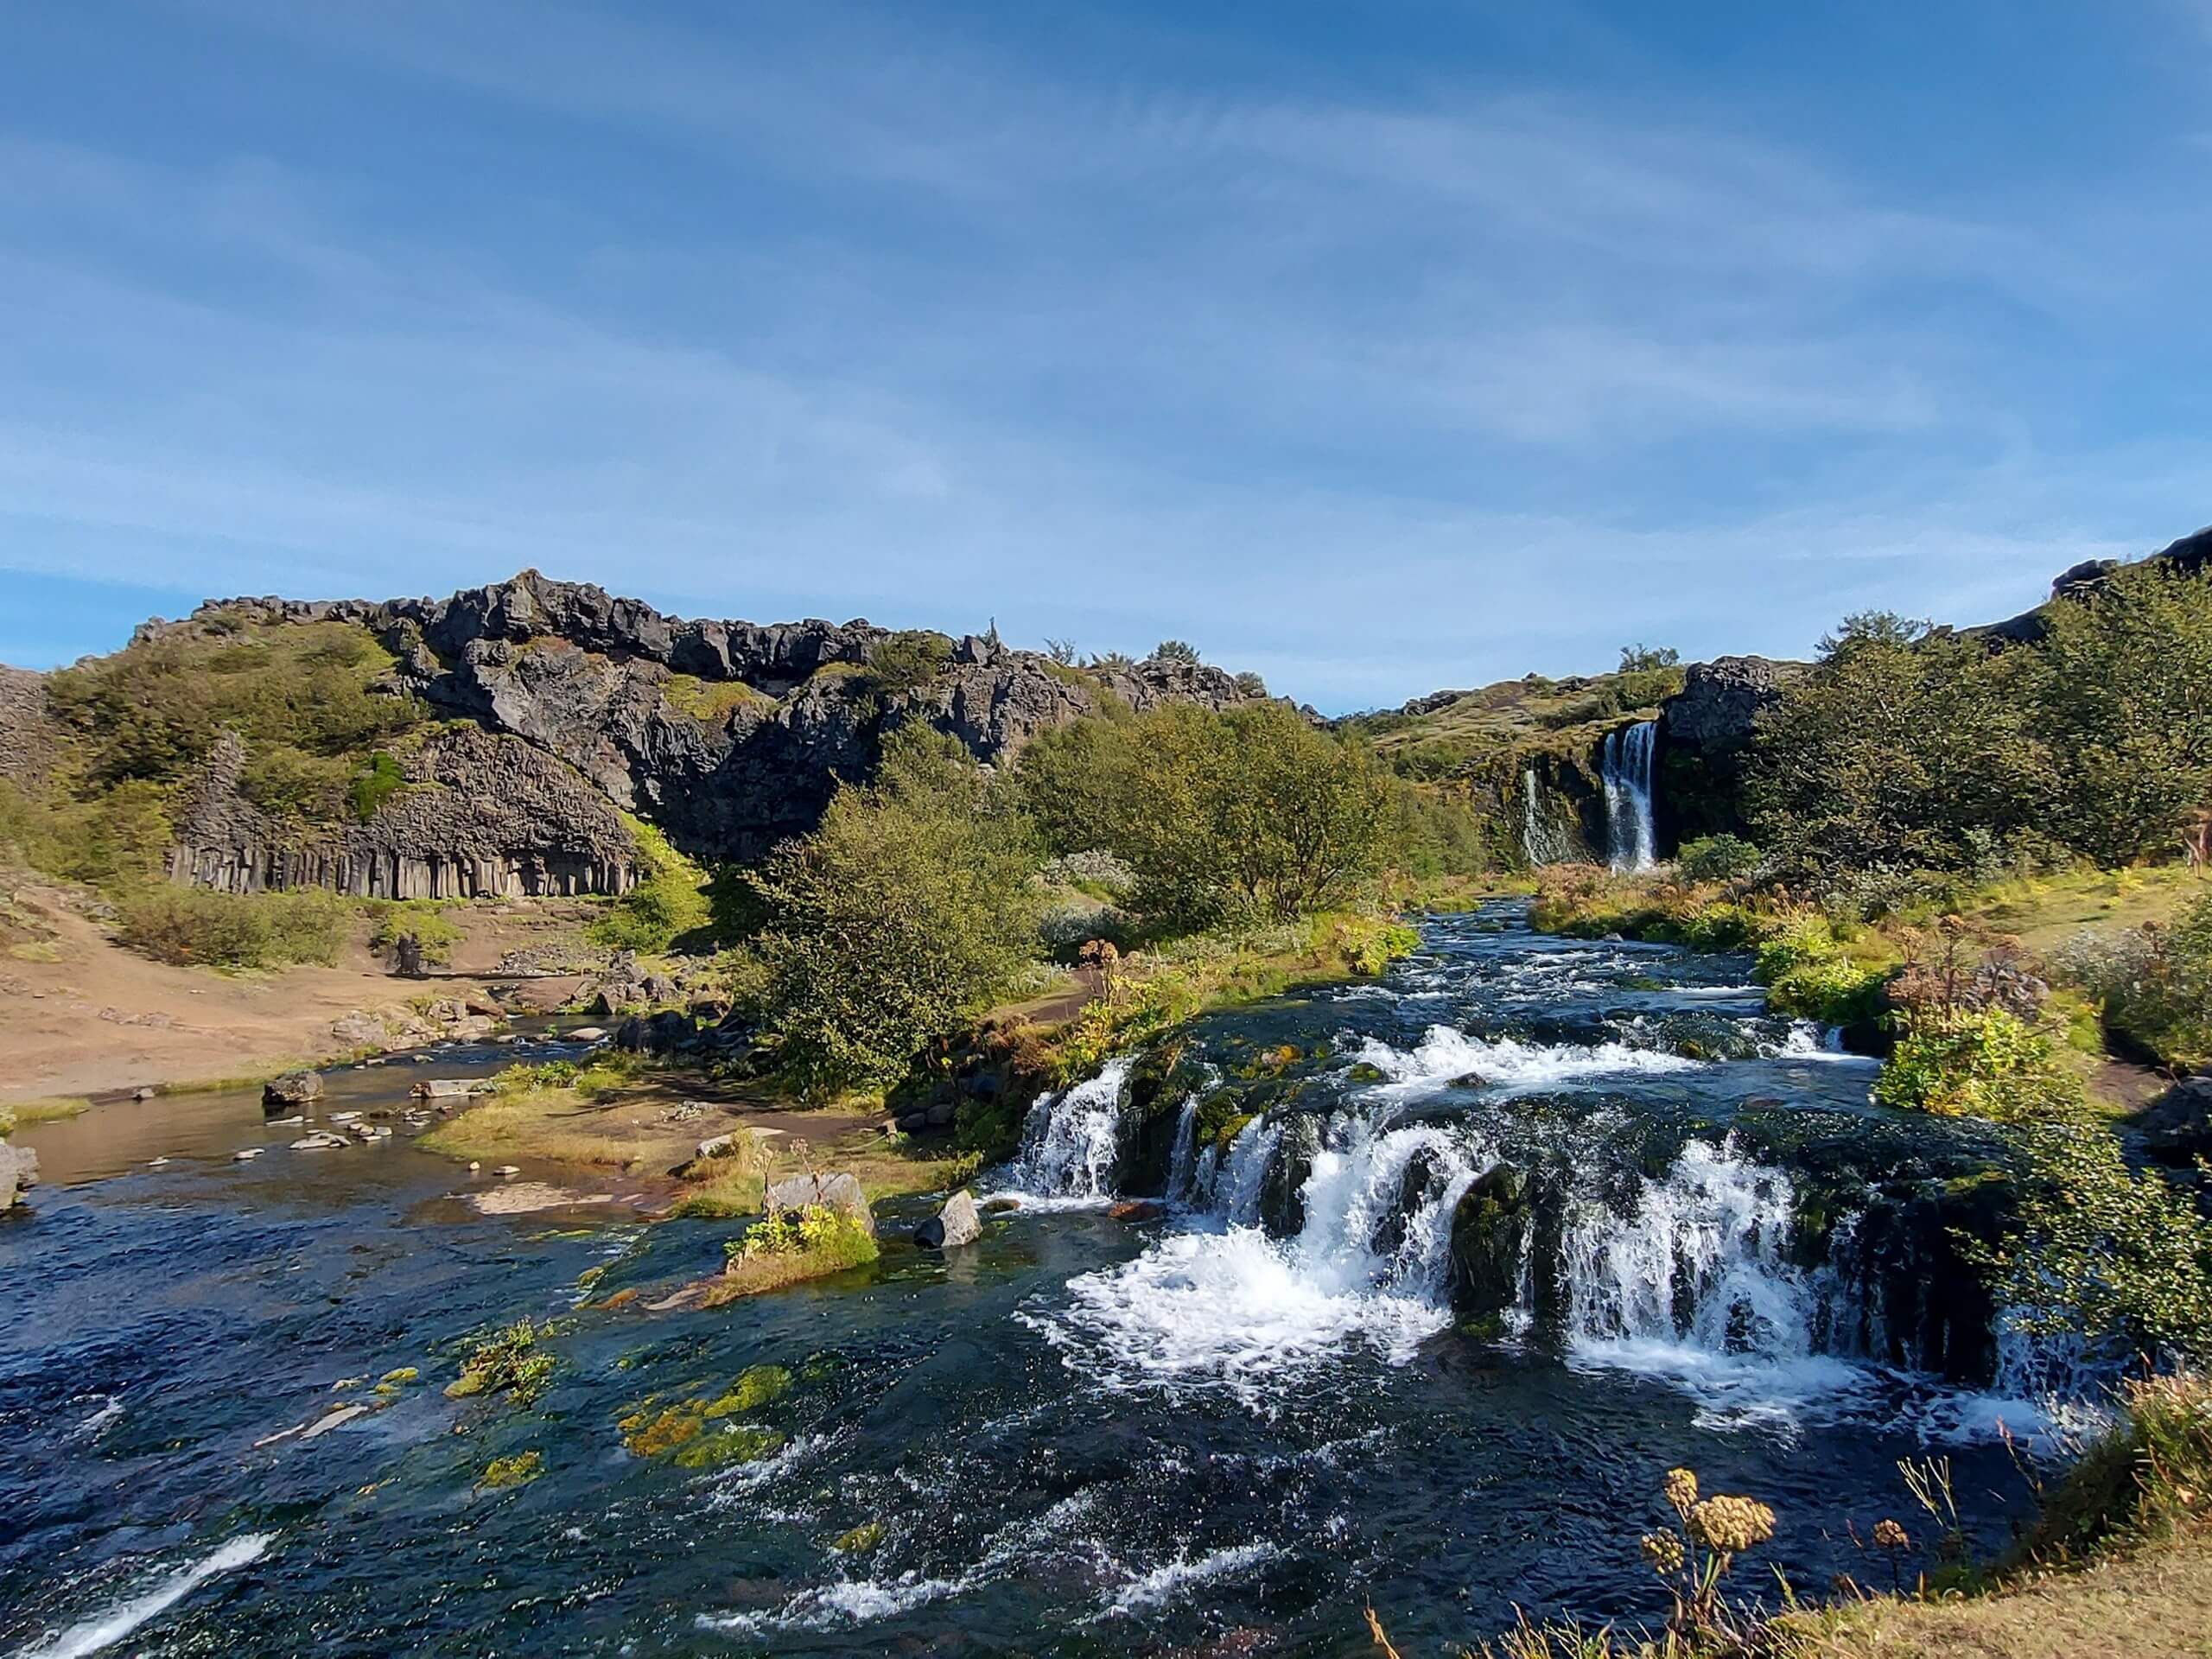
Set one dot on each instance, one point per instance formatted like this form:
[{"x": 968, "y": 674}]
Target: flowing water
[
  {"x": 1624, "y": 764},
  {"x": 1450, "y": 1269}
]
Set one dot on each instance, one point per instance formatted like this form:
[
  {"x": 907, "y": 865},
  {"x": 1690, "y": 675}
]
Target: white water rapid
[
  {"x": 1070, "y": 1142},
  {"x": 1631, "y": 844}
]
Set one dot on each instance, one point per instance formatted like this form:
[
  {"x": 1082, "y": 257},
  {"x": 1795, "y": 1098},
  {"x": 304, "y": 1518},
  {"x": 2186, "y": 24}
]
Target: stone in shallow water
[
  {"x": 957, "y": 1224},
  {"x": 838, "y": 1190},
  {"x": 293, "y": 1089}
]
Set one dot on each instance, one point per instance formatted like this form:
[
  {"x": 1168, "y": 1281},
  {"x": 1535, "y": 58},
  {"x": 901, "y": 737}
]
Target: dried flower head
[
  {"x": 1664, "y": 1551},
  {"x": 1680, "y": 1488},
  {"x": 1888, "y": 1535},
  {"x": 1730, "y": 1525}
]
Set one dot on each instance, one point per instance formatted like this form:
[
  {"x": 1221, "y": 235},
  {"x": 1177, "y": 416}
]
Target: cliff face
[
  {"x": 27, "y": 738},
  {"x": 480, "y": 815},
  {"x": 1704, "y": 739},
  {"x": 729, "y": 735}
]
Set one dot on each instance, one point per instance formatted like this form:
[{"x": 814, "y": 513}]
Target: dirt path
[{"x": 81, "y": 1015}]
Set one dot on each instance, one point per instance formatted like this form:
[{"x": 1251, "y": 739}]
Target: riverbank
[{"x": 81, "y": 1016}]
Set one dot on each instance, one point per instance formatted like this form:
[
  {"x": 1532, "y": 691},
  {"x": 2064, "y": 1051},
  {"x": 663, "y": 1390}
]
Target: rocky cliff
[
  {"x": 1704, "y": 739},
  {"x": 26, "y": 737},
  {"x": 729, "y": 735},
  {"x": 479, "y": 815}
]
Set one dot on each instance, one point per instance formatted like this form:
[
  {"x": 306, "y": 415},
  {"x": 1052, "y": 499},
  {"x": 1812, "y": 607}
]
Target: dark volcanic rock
[
  {"x": 2177, "y": 1127},
  {"x": 729, "y": 736},
  {"x": 487, "y": 814}
]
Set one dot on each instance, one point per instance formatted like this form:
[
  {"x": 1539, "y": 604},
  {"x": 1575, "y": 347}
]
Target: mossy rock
[
  {"x": 732, "y": 1443},
  {"x": 755, "y": 1388}
]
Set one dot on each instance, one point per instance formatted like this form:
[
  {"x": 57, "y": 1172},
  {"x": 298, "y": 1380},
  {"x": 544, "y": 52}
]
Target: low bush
[
  {"x": 2153, "y": 985},
  {"x": 669, "y": 901},
  {"x": 790, "y": 1246},
  {"x": 2117, "y": 1257},
  {"x": 189, "y": 926},
  {"x": 436, "y": 932},
  {"x": 1717, "y": 858},
  {"x": 1962, "y": 1062}
]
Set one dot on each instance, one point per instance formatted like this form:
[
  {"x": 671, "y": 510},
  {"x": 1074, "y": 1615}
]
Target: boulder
[
  {"x": 659, "y": 1034},
  {"x": 957, "y": 1224},
  {"x": 724, "y": 1146},
  {"x": 18, "y": 1170},
  {"x": 2177, "y": 1127},
  {"x": 589, "y": 1035},
  {"x": 836, "y": 1191},
  {"x": 293, "y": 1089},
  {"x": 1720, "y": 704}
]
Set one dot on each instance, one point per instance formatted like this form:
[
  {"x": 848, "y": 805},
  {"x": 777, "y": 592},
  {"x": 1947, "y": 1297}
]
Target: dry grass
[
  {"x": 556, "y": 1125},
  {"x": 2151, "y": 1604},
  {"x": 52, "y": 1108}
]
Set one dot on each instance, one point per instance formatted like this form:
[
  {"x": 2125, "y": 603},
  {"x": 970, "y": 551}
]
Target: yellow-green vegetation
[
  {"x": 1514, "y": 715},
  {"x": 51, "y": 1109},
  {"x": 711, "y": 702},
  {"x": 395, "y": 1381},
  {"x": 1969, "y": 1062},
  {"x": 547, "y": 1111},
  {"x": 860, "y": 1539},
  {"x": 424, "y": 918},
  {"x": 2152, "y": 983},
  {"x": 510, "y": 1360},
  {"x": 729, "y": 1184},
  {"x": 696, "y": 1433},
  {"x": 516, "y": 1471},
  {"x": 256, "y": 930},
  {"x": 755, "y": 1386},
  {"x": 668, "y": 902},
  {"x": 790, "y": 1246}
]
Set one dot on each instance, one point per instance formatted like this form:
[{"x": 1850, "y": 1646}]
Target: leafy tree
[
  {"x": 903, "y": 914},
  {"x": 1717, "y": 858},
  {"x": 2126, "y": 696},
  {"x": 1250, "y": 810},
  {"x": 1642, "y": 660},
  {"x": 1902, "y": 746},
  {"x": 1179, "y": 652}
]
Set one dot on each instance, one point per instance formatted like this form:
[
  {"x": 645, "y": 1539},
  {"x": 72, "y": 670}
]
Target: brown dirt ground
[{"x": 81, "y": 1015}]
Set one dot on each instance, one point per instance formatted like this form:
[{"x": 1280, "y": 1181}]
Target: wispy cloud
[{"x": 820, "y": 312}]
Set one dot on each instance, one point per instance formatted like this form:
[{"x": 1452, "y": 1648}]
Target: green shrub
[
  {"x": 903, "y": 663},
  {"x": 669, "y": 901},
  {"x": 376, "y": 782},
  {"x": 1249, "y": 811},
  {"x": 426, "y": 918},
  {"x": 901, "y": 916},
  {"x": 1962, "y": 1062},
  {"x": 509, "y": 1360},
  {"x": 2153, "y": 985},
  {"x": 1717, "y": 858},
  {"x": 2097, "y": 1250},
  {"x": 188, "y": 926}
]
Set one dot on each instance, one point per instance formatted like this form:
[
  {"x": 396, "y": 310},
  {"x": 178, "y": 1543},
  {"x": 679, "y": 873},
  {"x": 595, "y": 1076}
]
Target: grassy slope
[{"x": 2153, "y": 1603}]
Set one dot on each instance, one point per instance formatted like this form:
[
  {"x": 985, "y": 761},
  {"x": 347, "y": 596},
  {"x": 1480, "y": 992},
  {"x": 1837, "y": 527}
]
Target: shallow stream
[{"x": 1223, "y": 1429}]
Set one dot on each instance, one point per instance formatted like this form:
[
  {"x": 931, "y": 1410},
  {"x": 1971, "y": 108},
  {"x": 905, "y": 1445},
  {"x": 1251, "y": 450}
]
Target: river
[{"x": 1304, "y": 1387}]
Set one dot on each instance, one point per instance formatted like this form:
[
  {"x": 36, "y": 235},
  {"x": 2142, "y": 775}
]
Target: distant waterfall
[
  {"x": 1630, "y": 841},
  {"x": 1541, "y": 836}
]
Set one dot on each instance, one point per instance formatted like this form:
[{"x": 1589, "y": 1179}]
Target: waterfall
[
  {"x": 1182, "y": 1158},
  {"x": 1542, "y": 838},
  {"x": 1630, "y": 841},
  {"x": 1072, "y": 1141},
  {"x": 1699, "y": 1263}
]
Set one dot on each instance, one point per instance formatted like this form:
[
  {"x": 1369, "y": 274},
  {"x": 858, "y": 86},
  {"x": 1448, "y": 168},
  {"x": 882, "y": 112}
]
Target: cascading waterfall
[
  {"x": 1542, "y": 839},
  {"x": 1072, "y": 1141},
  {"x": 1698, "y": 1266},
  {"x": 1631, "y": 844}
]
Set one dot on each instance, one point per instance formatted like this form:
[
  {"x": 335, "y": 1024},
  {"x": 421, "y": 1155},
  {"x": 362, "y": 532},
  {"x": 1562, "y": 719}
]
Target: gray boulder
[
  {"x": 293, "y": 1089},
  {"x": 838, "y": 1190},
  {"x": 18, "y": 1169},
  {"x": 957, "y": 1224}
]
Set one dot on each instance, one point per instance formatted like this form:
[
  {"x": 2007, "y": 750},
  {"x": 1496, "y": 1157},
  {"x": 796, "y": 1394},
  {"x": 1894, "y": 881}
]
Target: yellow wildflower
[
  {"x": 1680, "y": 1488},
  {"x": 1730, "y": 1525},
  {"x": 1664, "y": 1551}
]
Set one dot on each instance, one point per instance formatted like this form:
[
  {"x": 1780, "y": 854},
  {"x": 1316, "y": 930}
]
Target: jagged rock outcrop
[
  {"x": 481, "y": 814},
  {"x": 1704, "y": 738},
  {"x": 2189, "y": 556},
  {"x": 729, "y": 735},
  {"x": 27, "y": 733}
]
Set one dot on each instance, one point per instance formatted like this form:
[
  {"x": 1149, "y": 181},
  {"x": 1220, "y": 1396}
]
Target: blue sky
[{"x": 1378, "y": 347}]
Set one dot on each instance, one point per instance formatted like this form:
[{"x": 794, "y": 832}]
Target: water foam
[
  {"x": 1505, "y": 1065},
  {"x": 1165, "y": 1583},
  {"x": 105, "y": 1630},
  {"x": 1071, "y": 1142}
]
